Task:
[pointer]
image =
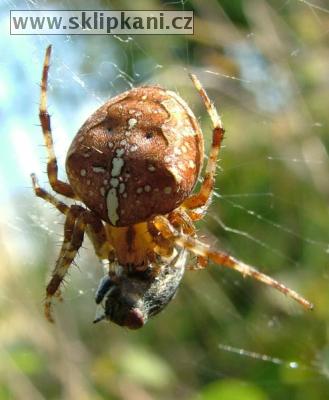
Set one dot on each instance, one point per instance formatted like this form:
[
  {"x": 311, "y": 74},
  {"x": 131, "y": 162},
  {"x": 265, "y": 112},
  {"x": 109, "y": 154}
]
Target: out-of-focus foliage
[{"x": 265, "y": 65}]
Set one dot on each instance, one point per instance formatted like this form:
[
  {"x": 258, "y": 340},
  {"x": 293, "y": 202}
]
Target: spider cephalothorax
[{"x": 133, "y": 166}]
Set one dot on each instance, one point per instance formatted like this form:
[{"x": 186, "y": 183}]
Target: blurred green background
[{"x": 265, "y": 65}]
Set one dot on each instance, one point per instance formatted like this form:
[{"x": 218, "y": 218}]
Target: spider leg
[
  {"x": 184, "y": 221},
  {"x": 71, "y": 243},
  {"x": 52, "y": 168},
  {"x": 201, "y": 200},
  {"x": 98, "y": 236},
  {"x": 40, "y": 192},
  {"x": 180, "y": 218},
  {"x": 202, "y": 250},
  {"x": 78, "y": 220},
  {"x": 77, "y": 223}
]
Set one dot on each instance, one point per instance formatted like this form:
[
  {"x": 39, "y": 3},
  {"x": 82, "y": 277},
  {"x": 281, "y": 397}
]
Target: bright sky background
[{"x": 20, "y": 72}]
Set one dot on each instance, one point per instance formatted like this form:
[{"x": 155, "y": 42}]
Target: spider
[{"x": 132, "y": 167}]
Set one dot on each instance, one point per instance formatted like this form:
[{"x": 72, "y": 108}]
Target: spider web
[{"x": 274, "y": 218}]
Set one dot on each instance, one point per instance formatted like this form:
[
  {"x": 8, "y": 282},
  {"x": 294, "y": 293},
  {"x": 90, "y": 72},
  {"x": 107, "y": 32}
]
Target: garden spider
[{"x": 133, "y": 166}]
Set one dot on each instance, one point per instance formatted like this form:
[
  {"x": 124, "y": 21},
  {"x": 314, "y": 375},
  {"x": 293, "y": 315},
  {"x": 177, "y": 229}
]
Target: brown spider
[{"x": 134, "y": 164}]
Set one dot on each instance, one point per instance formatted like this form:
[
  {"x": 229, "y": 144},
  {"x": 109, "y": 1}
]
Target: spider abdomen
[{"x": 137, "y": 156}]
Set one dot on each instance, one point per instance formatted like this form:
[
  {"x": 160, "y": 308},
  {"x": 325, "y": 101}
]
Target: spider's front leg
[
  {"x": 78, "y": 221},
  {"x": 52, "y": 168},
  {"x": 73, "y": 237},
  {"x": 74, "y": 229},
  {"x": 201, "y": 200},
  {"x": 202, "y": 250}
]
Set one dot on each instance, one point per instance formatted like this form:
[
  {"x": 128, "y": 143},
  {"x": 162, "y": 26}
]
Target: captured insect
[{"x": 133, "y": 166}]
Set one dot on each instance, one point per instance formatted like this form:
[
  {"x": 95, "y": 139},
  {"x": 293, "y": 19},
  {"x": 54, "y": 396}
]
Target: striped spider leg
[
  {"x": 77, "y": 217},
  {"x": 58, "y": 186},
  {"x": 78, "y": 221},
  {"x": 195, "y": 207}
]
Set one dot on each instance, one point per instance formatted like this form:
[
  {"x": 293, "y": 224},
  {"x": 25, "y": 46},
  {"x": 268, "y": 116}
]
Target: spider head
[{"x": 131, "y": 298}]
